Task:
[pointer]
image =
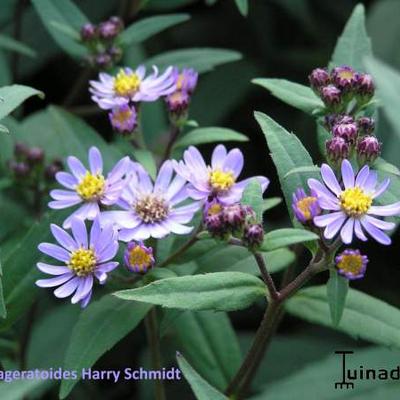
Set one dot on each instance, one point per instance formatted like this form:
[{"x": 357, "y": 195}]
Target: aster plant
[{"x": 148, "y": 224}]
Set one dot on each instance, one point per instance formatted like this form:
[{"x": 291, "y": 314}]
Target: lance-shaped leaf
[
  {"x": 294, "y": 94},
  {"x": 102, "y": 325},
  {"x": 12, "y": 96},
  {"x": 219, "y": 291},
  {"x": 354, "y": 44},
  {"x": 252, "y": 196},
  {"x": 336, "y": 291},
  {"x": 243, "y": 7},
  {"x": 9, "y": 43},
  {"x": 285, "y": 237},
  {"x": 201, "y": 388},
  {"x": 147, "y": 27},
  {"x": 363, "y": 316}
]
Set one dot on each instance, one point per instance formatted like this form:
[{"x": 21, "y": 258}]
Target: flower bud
[
  {"x": 337, "y": 149},
  {"x": 351, "y": 264},
  {"x": 253, "y": 235},
  {"x": 365, "y": 125},
  {"x": 368, "y": 149},
  {"x": 35, "y": 155},
  {"x": 365, "y": 88},
  {"x": 88, "y": 32},
  {"x": 331, "y": 96},
  {"x": 20, "y": 169},
  {"x": 111, "y": 28},
  {"x": 318, "y": 78},
  {"x": 138, "y": 258},
  {"x": 51, "y": 170},
  {"x": 115, "y": 53},
  {"x": 123, "y": 119},
  {"x": 304, "y": 207},
  {"x": 178, "y": 102},
  {"x": 346, "y": 130},
  {"x": 233, "y": 217},
  {"x": 21, "y": 150},
  {"x": 212, "y": 218},
  {"x": 345, "y": 78},
  {"x": 103, "y": 61}
]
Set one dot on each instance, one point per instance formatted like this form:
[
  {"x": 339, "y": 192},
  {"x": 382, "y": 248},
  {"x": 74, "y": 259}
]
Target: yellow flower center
[
  {"x": 346, "y": 74},
  {"x": 351, "y": 263},
  {"x": 151, "y": 209},
  {"x": 140, "y": 258},
  {"x": 91, "y": 186},
  {"x": 214, "y": 209},
  {"x": 82, "y": 262},
  {"x": 304, "y": 205},
  {"x": 126, "y": 84},
  {"x": 122, "y": 116},
  {"x": 179, "y": 82},
  {"x": 221, "y": 180},
  {"x": 355, "y": 202}
]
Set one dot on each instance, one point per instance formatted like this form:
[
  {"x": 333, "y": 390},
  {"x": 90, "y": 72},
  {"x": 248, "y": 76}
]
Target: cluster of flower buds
[
  {"x": 349, "y": 135},
  {"x": 28, "y": 164},
  {"x": 102, "y": 42},
  {"x": 238, "y": 220},
  {"x": 341, "y": 86},
  {"x": 178, "y": 101}
]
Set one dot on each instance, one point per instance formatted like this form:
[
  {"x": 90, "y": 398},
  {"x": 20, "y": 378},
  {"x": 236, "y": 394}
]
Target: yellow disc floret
[
  {"x": 304, "y": 205},
  {"x": 221, "y": 180},
  {"x": 351, "y": 263},
  {"x": 126, "y": 84},
  {"x": 151, "y": 208},
  {"x": 82, "y": 261},
  {"x": 355, "y": 202},
  {"x": 214, "y": 209},
  {"x": 140, "y": 259},
  {"x": 91, "y": 186}
]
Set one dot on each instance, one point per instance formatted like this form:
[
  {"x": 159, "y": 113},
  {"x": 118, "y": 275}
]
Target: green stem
[{"x": 155, "y": 351}]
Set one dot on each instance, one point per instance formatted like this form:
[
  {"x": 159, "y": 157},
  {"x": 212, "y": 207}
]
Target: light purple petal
[
  {"x": 346, "y": 232},
  {"x": 107, "y": 267},
  {"x": 234, "y": 162},
  {"x": 377, "y": 234},
  {"x": 164, "y": 177},
  {"x": 330, "y": 179},
  {"x": 68, "y": 288},
  {"x": 324, "y": 220},
  {"x": 63, "y": 238},
  {"x": 362, "y": 176},
  {"x": 79, "y": 232},
  {"x": 218, "y": 157},
  {"x": 54, "y": 281},
  {"x": 58, "y": 194},
  {"x": 54, "y": 251},
  {"x": 66, "y": 179},
  {"x": 84, "y": 288},
  {"x": 380, "y": 224},
  {"x": 333, "y": 228},
  {"x": 53, "y": 269},
  {"x": 95, "y": 161},
  {"x": 385, "y": 211},
  {"x": 347, "y": 174},
  {"x": 359, "y": 231},
  {"x": 86, "y": 300},
  {"x": 95, "y": 232},
  {"x": 381, "y": 188},
  {"x": 108, "y": 252},
  {"x": 76, "y": 167},
  {"x": 119, "y": 170},
  {"x": 60, "y": 204}
]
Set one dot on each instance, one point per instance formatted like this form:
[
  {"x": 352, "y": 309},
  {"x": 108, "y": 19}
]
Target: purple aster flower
[
  {"x": 305, "y": 208},
  {"x": 318, "y": 78},
  {"x": 152, "y": 210},
  {"x": 138, "y": 258},
  {"x": 89, "y": 187},
  {"x": 123, "y": 119},
  {"x": 186, "y": 80},
  {"x": 351, "y": 206},
  {"x": 344, "y": 77},
  {"x": 83, "y": 258},
  {"x": 131, "y": 86},
  {"x": 218, "y": 180},
  {"x": 351, "y": 264}
]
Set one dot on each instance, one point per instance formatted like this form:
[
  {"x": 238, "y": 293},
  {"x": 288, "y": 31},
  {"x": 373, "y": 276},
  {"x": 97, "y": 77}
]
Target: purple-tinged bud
[
  {"x": 123, "y": 119},
  {"x": 253, "y": 235},
  {"x": 346, "y": 130},
  {"x": 337, "y": 149},
  {"x": 51, "y": 170},
  {"x": 111, "y": 28},
  {"x": 186, "y": 80},
  {"x": 20, "y": 169},
  {"x": 304, "y": 207},
  {"x": 103, "y": 61},
  {"x": 351, "y": 264},
  {"x": 318, "y": 78},
  {"x": 212, "y": 218},
  {"x": 178, "y": 102},
  {"x": 233, "y": 217},
  {"x": 138, "y": 258},
  {"x": 368, "y": 150},
  {"x": 365, "y": 87},
  {"x": 250, "y": 214},
  {"x": 35, "y": 155},
  {"x": 21, "y": 150},
  {"x": 366, "y": 125},
  {"x": 345, "y": 78},
  {"x": 331, "y": 95},
  {"x": 115, "y": 53},
  {"x": 117, "y": 21},
  {"x": 88, "y": 32}
]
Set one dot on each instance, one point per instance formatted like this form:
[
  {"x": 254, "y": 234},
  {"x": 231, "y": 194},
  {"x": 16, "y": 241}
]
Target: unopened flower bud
[
  {"x": 368, "y": 149},
  {"x": 346, "y": 130},
  {"x": 304, "y": 207},
  {"x": 366, "y": 125},
  {"x": 103, "y": 61},
  {"x": 345, "y": 78},
  {"x": 178, "y": 102},
  {"x": 20, "y": 169},
  {"x": 331, "y": 95},
  {"x": 88, "y": 32},
  {"x": 51, "y": 170},
  {"x": 111, "y": 28},
  {"x": 115, "y": 53},
  {"x": 318, "y": 78},
  {"x": 35, "y": 155},
  {"x": 351, "y": 264},
  {"x": 337, "y": 149},
  {"x": 233, "y": 217},
  {"x": 123, "y": 119},
  {"x": 20, "y": 150},
  {"x": 253, "y": 235},
  {"x": 250, "y": 214},
  {"x": 365, "y": 88},
  {"x": 212, "y": 218},
  {"x": 138, "y": 258}
]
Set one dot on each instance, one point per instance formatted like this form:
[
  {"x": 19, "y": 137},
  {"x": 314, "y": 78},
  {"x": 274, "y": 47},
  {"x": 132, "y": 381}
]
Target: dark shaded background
[{"x": 280, "y": 39}]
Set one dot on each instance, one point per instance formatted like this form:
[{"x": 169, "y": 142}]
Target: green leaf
[
  {"x": 287, "y": 153},
  {"x": 12, "y": 96},
  {"x": 285, "y": 237},
  {"x": 209, "y": 135},
  {"x": 336, "y": 291},
  {"x": 3, "y": 310},
  {"x": 201, "y": 388},
  {"x": 381, "y": 165},
  {"x": 210, "y": 344},
  {"x": 4, "y": 129},
  {"x": 387, "y": 81},
  {"x": 354, "y": 44},
  {"x": 294, "y": 94},
  {"x": 323, "y": 135},
  {"x": 102, "y": 325},
  {"x": 271, "y": 203},
  {"x": 243, "y": 6},
  {"x": 364, "y": 316},
  {"x": 9, "y": 43},
  {"x": 201, "y": 59},
  {"x": 219, "y": 291},
  {"x": 252, "y": 196},
  {"x": 22, "y": 388},
  {"x": 63, "y": 13},
  {"x": 147, "y": 27}
]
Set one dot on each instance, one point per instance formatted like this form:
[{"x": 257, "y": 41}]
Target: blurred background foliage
[{"x": 279, "y": 39}]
